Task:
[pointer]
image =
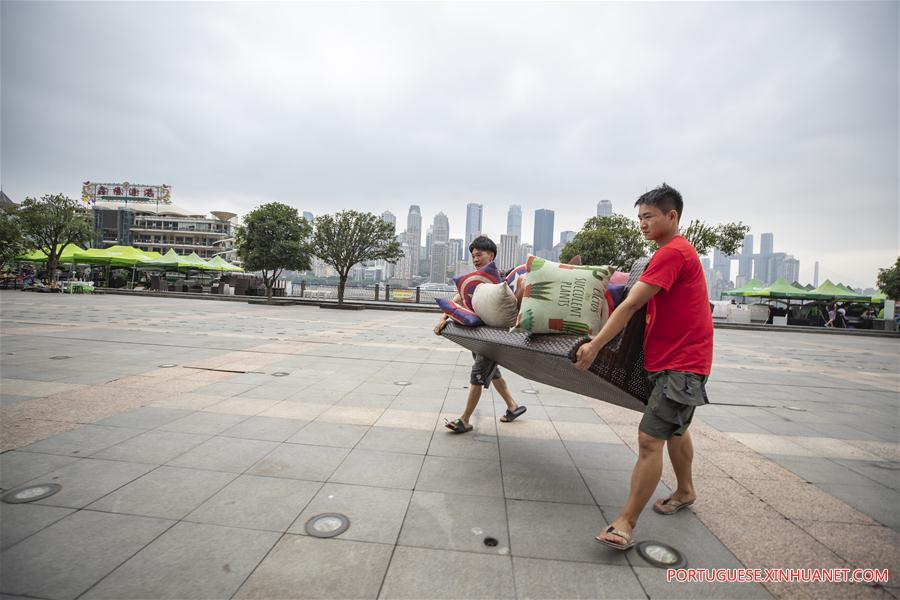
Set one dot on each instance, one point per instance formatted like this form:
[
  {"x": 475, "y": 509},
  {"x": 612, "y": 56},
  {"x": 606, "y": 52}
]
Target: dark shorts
[
  {"x": 670, "y": 408},
  {"x": 484, "y": 371}
]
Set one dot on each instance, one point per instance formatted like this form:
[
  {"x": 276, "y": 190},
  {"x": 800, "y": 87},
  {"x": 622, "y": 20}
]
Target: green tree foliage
[
  {"x": 52, "y": 223},
  {"x": 11, "y": 242},
  {"x": 614, "y": 240},
  {"x": 889, "y": 280},
  {"x": 273, "y": 237},
  {"x": 727, "y": 237},
  {"x": 349, "y": 238}
]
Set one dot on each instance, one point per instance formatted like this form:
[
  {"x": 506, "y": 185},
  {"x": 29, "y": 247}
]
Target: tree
[
  {"x": 349, "y": 238},
  {"x": 273, "y": 237},
  {"x": 11, "y": 242},
  {"x": 727, "y": 237},
  {"x": 52, "y": 223},
  {"x": 614, "y": 240},
  {"x": 889, "y": 280}
]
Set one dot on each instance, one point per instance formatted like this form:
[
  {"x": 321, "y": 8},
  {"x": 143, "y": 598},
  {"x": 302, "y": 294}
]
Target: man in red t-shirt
[{"x": 678, "y": 345}]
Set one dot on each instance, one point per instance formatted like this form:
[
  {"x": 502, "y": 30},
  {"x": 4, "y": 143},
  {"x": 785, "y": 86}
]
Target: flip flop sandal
[
  {"x": 628, "y": 541},
  {"x": 676, "y": 506},
  {"x": 512, "y": 415},
  {"x": 457, "y": 426}
]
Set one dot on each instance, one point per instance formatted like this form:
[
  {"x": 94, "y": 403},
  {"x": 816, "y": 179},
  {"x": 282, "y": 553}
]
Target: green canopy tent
[
  {"x": 167, "y": 262},
  {"x": 831, "y": 291},
  {"x": 878, "y": 298},
  {"x": 38, "y": 256},
  {"x": 747, "y": 289},
  {"x": 783, "y": 289},
  {"x": 220, "y": 264}
]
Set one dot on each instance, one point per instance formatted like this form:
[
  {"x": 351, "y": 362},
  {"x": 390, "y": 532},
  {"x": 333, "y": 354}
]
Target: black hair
[
  {"x": 484, "y": 243},
  {"x": 664, "y": 198}
]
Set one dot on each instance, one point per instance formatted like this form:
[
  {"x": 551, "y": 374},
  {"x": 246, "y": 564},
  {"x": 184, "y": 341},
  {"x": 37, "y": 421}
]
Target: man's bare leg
[
  {"x": 644, "y": 480},
  {"x": 681, "y": 453},
  {"x": 471, "y": 402},
  {"x": 503, "y": 390}
]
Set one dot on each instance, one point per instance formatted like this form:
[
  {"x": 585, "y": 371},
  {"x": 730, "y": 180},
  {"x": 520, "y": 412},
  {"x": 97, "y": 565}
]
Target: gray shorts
[
  {"x": 670, "y": 408},
  {"x": 484, "y": 371}
]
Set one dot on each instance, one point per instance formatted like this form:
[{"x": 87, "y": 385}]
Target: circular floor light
[
  {"x": 327, "y": 525},
  {"x": 661, "y": 555},
  {"x": 280, "y": 374},
  {"x": 795, "y": 408},
  {"x": 529, "y": 391},
  {"x": 31, "y": 493},
  {"x": 402, "y": 383},
  {"x": 167, "y": 366}
]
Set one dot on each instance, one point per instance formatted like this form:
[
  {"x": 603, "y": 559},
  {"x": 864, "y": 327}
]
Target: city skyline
[{"x": 788, "y": 123}]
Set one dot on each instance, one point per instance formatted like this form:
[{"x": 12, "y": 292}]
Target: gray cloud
[{"x": 781, "y": 115}]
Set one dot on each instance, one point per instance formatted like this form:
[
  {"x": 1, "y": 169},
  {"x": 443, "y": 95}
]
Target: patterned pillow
[
  {"x": 563, "y": 298},
  {"x": 495, "y": 304},
  {"x": 463, "y": 312},
  {"x": 459, "y": 313},
  {"x": 516, "y": 277}
]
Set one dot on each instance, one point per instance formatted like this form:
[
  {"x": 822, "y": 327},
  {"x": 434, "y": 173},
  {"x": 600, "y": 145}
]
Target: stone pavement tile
[
  {"x": 802, "y": 500},
  {"x": 461, "y": 476},
  {"x": 276, "y": 392},
  {"x": 566, "y": 400},
  {"x": 223, "y": 389},
  {"x": 188, "y": 561},
  {"x": 863, "y": 546},
  {"x": 598, "y": 433},
  {"x": 18, "y": 467},
  {"x": 152, "y": 447},
  {"x": 731, "y": 424},
  {"x": 83, "y": 441},
  {"x": 611, "y": 487},
  {"x": 203, "y": 423},
  {"x": 771, "y": 444},
  {"x": 549, "y": 483},
  {"x": 876, "y": 501},
  {"x": 886, "y": 473},
  {"x": 87, "y": 480},
  {"x": 723, "y": 495},
  {"x": 307, "y": 567},
  {"x": 553, "y": 579},
  {"x": 475, "y": 445},
  {"x": 146, "y": 417},
  {"x": 429, "y": 404},
  {"x": 271, "y": 429},
  {"x": 749, "y": 465},
  {"x": 701, "y": 467},
  {"x": 534, "y": 452},
  {"x": 252, "y": 502},
  {"x": 12, "y": 398},
  {"x": 165, "y": 493},
  {"x": 351, "y": 415},
  {"x": 390, "y": 439},
  {"x": 366, "y": 400},
  {"x": 770, "y": 543},
  {"x": 654, "y": 583},
  {"x": 471, "y": 575},
  {"x": 379, "y": 469},
  {"x": 524, "y": 428},
  {"x": 455, "y": 522},
  {"x": 339, "y": 435},
  {"x": 300, "y": 461},
  {"x": 241, "y": 406},
  {"x": 832, "y": 448},
  {"x": 187, "y": 401},
  {"x": 683, "y": 531},
  {"x": 306, "y": 411},
  {"x": 321, "y": 397},
  {"x": 608, "y": 457},
  {"x": 612, "y": 414},
  {"x": 884, "y": 450},
  {"x": 380, "y": 389},
  {"x": 234, "y": 455},
  {"x": 559, "y": 531},
  {"x": 407, "y": 419},
  {"x": 18, "y": 521},
  {"x": 35, "y": 389},
  {"x": 375, "y": 514},
  {"x": 574, "y": 415},
  {"x": 68, "y": 557},
  {"x": 816, "y": 591},
  {"x": 821, "y": 470},
  {"x": 19, "y": 432}
]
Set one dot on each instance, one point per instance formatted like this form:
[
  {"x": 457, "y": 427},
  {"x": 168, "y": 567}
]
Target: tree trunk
[
  {"x": 269, "y": 291},
  {"x": 341, "y": 284},
  {"x": 51, "y": 270}
]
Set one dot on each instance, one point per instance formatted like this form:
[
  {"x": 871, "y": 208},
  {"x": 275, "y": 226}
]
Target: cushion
[
  {"x": 459, "y": 313},
  {"x": 495, "y": 304},
  {"x": 462, "y": 311},
  {"x": 563, "y": 298},
  {"x": 516, "y": 277}
]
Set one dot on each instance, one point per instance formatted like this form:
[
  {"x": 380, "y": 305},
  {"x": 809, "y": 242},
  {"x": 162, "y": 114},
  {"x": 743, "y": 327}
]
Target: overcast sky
[{"x": 780, "y": 115}]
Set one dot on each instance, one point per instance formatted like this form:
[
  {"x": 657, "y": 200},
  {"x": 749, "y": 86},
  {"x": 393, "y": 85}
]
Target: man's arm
[
  {"x": 444, "y": 317},
  {"x": 638, "y": 296}
]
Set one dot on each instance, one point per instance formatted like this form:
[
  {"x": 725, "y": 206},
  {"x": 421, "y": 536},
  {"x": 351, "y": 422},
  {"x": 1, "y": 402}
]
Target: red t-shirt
[{"x": 679, "y": 334}]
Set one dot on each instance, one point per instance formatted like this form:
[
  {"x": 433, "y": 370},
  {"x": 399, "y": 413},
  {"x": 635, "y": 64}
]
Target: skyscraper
[
  {"x": 388, "y": 217},
  {"x": 762, "y": 262},
  {"x": 428, "y": 235},
  {"x": 722, "y": 264},
  {"x": 543, "y": 230},
  {"x": 816, "y": 275},
  {"x": 604, "y": 208},
  {"x": 439, "y": 253},
  {"x": 414, "y": 237},
  {"x": 457, "y": 250},
  {"x": 745, "y": 262},
  {"x": 473, "y": 221},
  {"x": 514, "y": 221},
  {"x": 566, "y": 236},
  {"x": 508, "y": 256},
  {"x": 308, "y": 216},
  {"x": 767, "y": 244}
]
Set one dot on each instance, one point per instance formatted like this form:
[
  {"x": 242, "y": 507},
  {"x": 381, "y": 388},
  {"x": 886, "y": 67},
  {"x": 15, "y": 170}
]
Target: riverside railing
[{"x": 377, "y": 292}]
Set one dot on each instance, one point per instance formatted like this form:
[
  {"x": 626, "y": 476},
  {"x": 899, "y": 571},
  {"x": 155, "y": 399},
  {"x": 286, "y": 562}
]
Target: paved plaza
[{"x": 194, "y": 439}]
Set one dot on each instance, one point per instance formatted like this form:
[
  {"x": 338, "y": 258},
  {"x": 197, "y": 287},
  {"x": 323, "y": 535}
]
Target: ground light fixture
[
  {"x": 327, "y": 525},
  {"x": 661, "y": 555},
  {"x": 167, "y": 366},
  {"x": 280, "y": 374},
  {"x": 31, "y": 493},
  {"x": 529, "y": 391},
  {"x": 401, "y": 383}
]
